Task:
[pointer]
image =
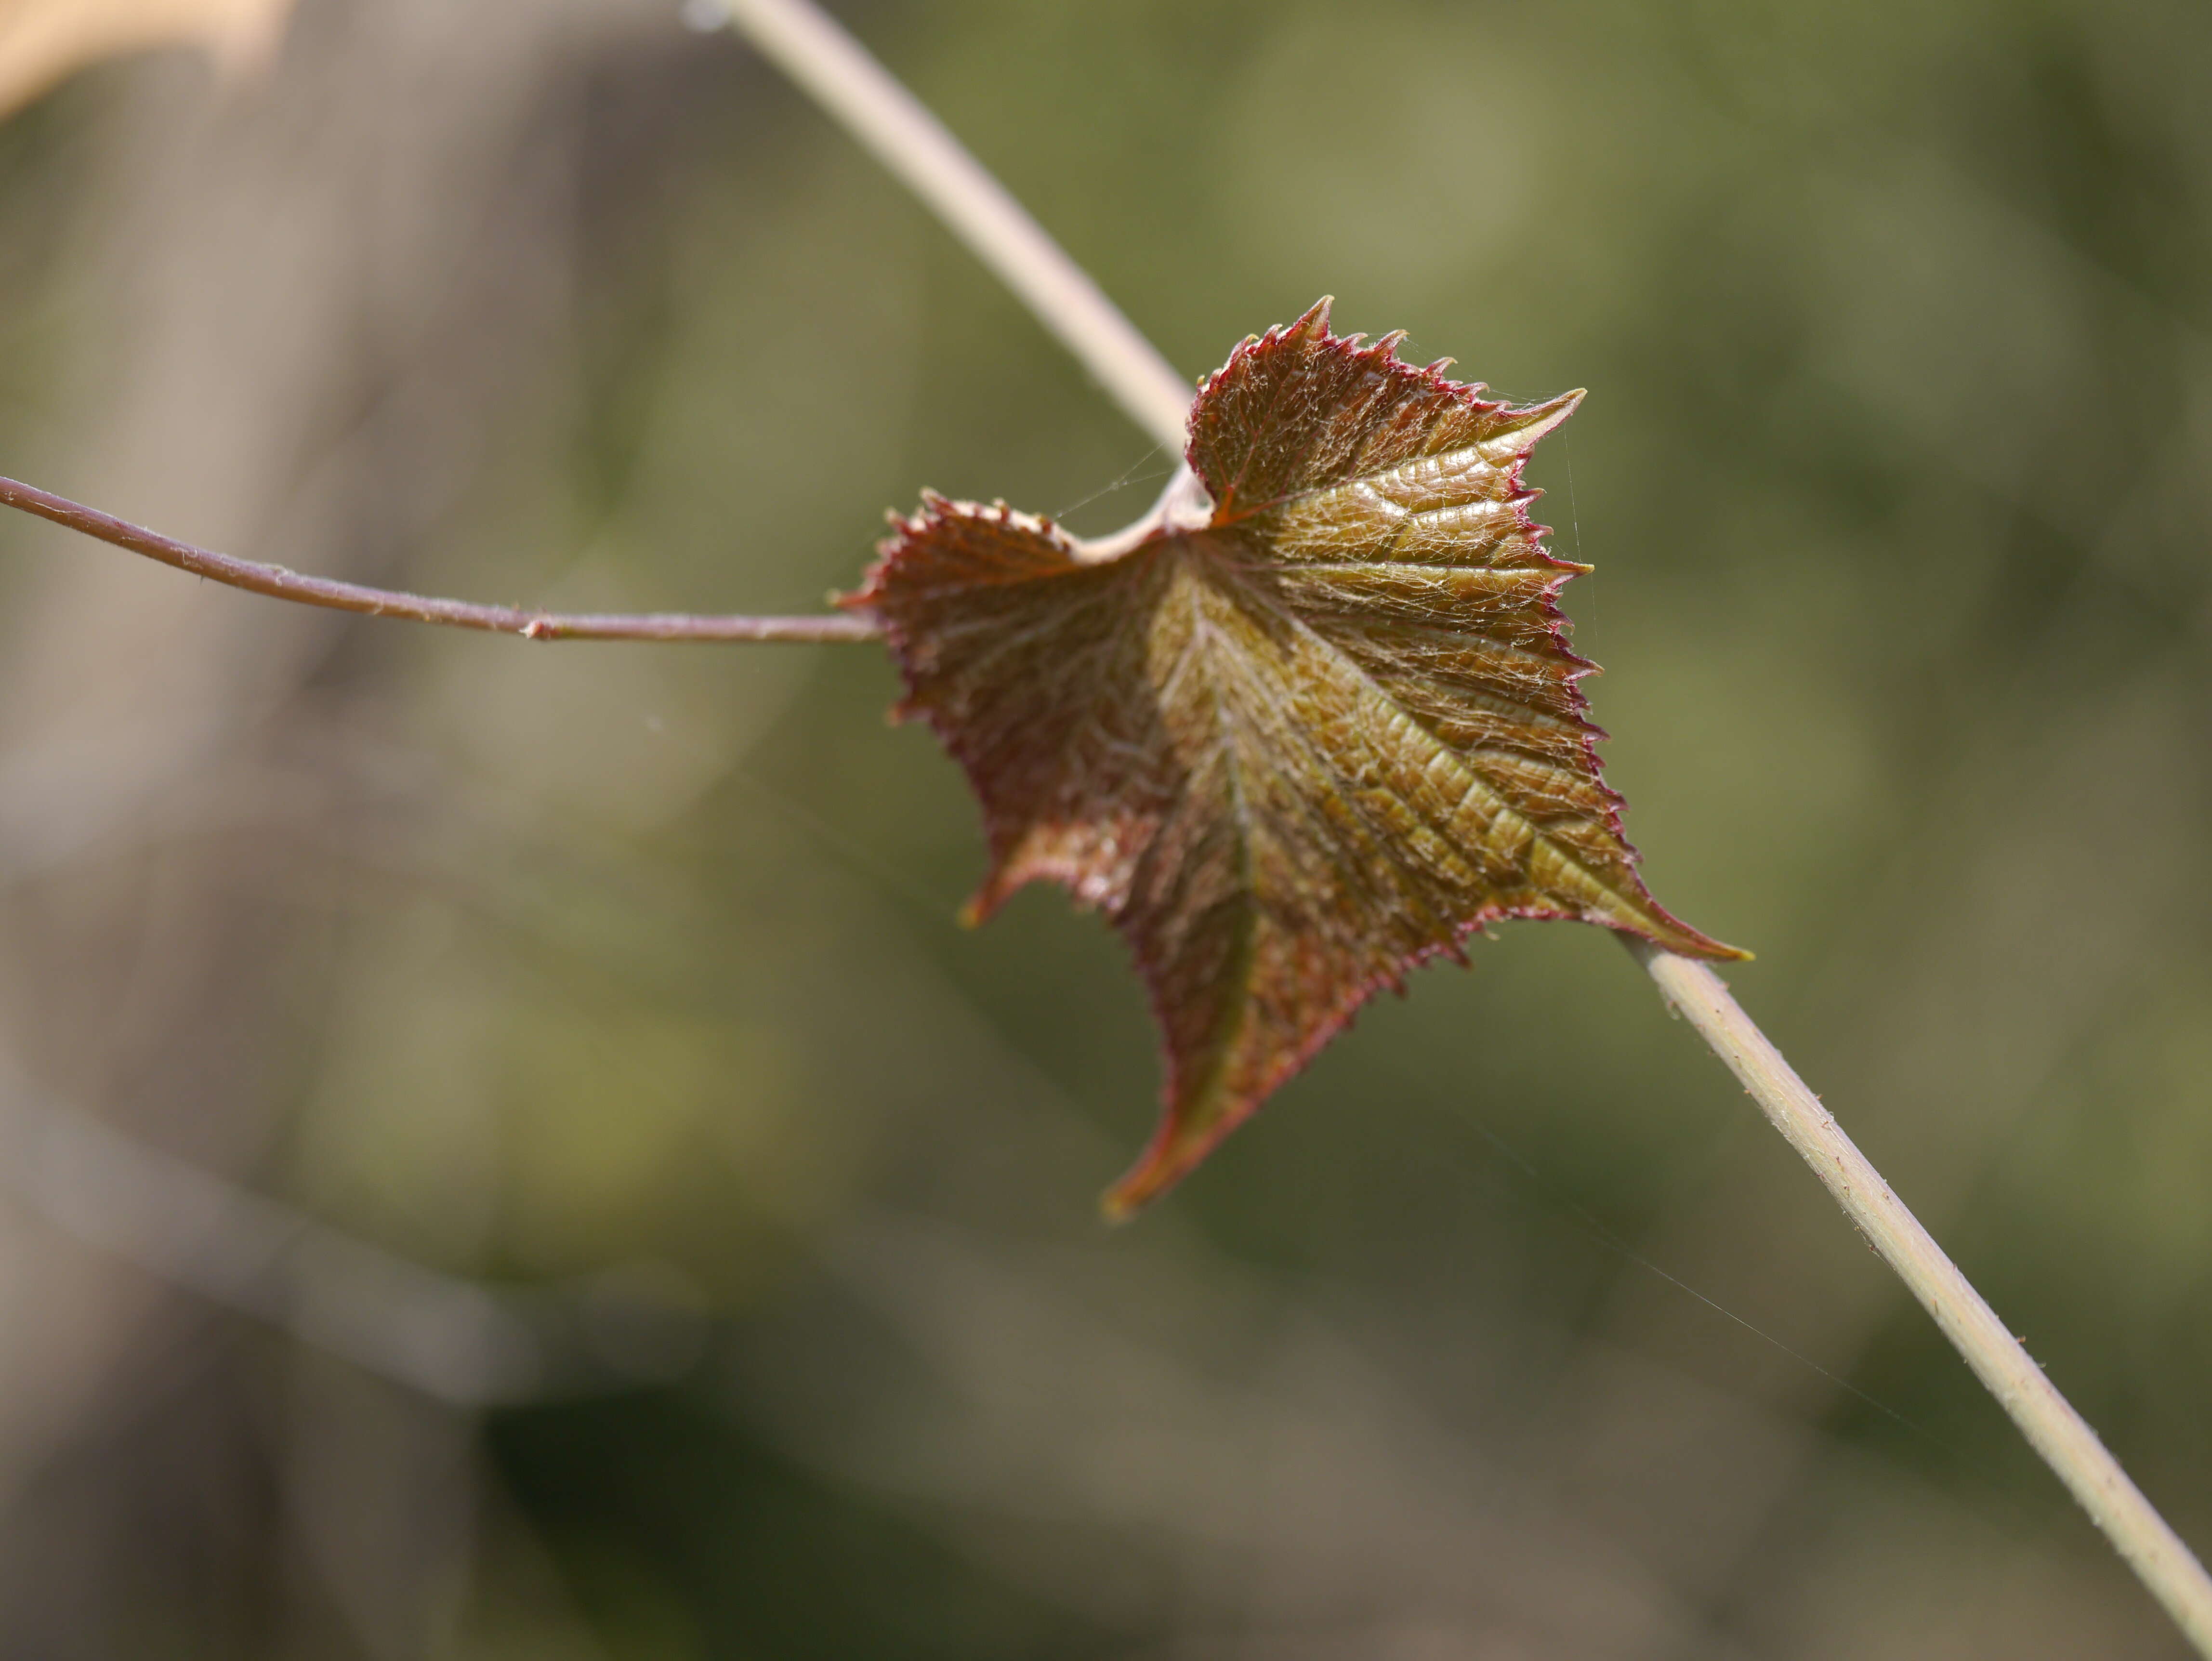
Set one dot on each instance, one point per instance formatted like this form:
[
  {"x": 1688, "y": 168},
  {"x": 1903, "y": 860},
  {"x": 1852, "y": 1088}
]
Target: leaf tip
[
  {"x": 1193, "y": 1125},
  {"x": 1114, "y": 1209},
  {"x": 1677, "y": 937},
  {"x": 1165, "y": 1163},
  {"x": 1540, "y": 420},
  {"x": 982, "y": 905}
]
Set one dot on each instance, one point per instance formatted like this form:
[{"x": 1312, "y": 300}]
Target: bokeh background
[{"x": 503, "y": 1150}]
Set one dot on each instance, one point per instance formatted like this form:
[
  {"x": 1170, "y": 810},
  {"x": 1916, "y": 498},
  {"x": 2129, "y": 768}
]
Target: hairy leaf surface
[{"x": 1293, "y": 746}]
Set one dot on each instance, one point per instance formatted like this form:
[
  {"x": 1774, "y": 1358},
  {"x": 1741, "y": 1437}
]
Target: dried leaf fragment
[
  {"x": 43, "y": 40},
  {"x": 1296, "y": 750}
]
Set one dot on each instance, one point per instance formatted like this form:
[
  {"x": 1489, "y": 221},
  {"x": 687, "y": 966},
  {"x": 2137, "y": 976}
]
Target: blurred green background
[{"x": 703, "y": 1260}]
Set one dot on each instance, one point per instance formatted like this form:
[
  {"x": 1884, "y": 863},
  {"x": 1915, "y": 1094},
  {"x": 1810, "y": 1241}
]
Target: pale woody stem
[
  {"x": 826, "y": 61},
  {"x": 910, "y": 142},
  {"x": 2044, "y": 1417}
]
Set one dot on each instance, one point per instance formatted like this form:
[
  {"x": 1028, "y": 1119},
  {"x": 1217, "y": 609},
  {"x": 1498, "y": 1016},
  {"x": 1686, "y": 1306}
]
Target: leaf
[
  {"x": 43, "y": 40},
  {"x": 1292, "y": 746}
]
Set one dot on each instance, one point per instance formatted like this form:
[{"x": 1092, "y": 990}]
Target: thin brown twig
[{"x": 279, "y": 583}]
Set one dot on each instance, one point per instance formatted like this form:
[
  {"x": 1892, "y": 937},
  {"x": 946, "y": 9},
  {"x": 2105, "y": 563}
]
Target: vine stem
[
  {"x": 895, "y": 127},
  {"x": 2044, "y": 1417},
  {"x": 279, "y": 583},
  {"x": 817, "y": 54},
  {"x": 915, "y": 147}
]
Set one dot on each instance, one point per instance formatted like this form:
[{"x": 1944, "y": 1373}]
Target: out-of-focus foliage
[{"x": 624, "y": 978}]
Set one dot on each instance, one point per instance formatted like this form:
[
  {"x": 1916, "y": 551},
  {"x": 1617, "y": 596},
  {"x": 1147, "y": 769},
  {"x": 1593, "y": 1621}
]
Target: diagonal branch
[
  {"x": 900, "y": 132},
  {"x": 279, "y": 583},
  {"x": 818, "y": 54},
  {"x": 2044, "y": 1417}
]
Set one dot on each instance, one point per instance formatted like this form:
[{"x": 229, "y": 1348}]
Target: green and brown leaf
[{"x": 1292, "y": 747}]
